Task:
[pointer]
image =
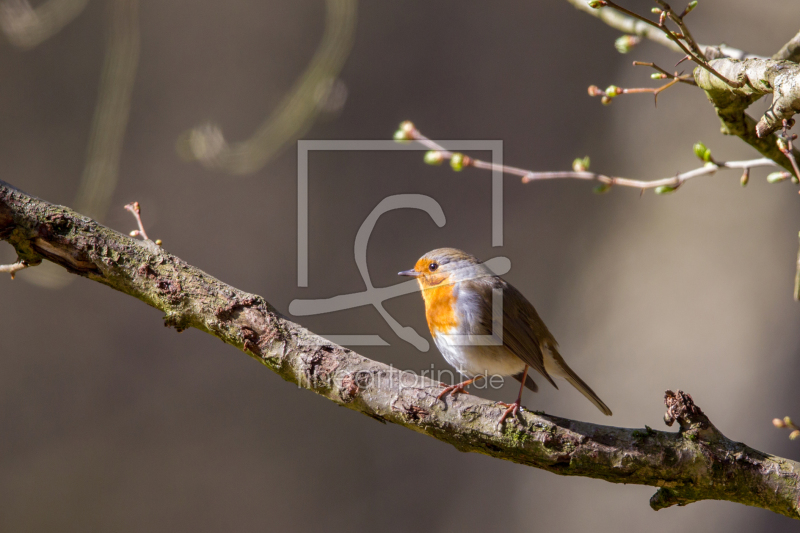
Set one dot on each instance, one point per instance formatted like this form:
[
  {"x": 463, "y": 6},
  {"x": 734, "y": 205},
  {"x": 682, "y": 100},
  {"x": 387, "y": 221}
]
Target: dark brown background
[{"x": 111, "y": 422}]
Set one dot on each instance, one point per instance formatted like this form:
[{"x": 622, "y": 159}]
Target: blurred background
[{"x": 111, "y": 422}]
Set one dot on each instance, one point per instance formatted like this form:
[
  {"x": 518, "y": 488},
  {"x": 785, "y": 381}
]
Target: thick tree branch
[
  {"x": 790, "y": 50},
  {"x": 732, "y": 79},
  {"x": 760, "y": 77},
  {"x": 697, "y": 463}
]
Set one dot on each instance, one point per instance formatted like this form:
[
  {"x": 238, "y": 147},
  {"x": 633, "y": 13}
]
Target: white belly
[{"x": 472, "y": 360}]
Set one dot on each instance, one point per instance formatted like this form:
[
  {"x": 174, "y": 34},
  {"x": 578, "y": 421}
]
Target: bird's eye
[{"x": 433, "y": 266}]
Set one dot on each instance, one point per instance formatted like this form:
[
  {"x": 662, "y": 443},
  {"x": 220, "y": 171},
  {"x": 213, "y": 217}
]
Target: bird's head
[{"x": 445, "y": 265}]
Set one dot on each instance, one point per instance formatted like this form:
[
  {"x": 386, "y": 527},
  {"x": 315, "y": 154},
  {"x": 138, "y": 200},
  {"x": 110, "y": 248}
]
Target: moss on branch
[{"x": 696, "y": 463}]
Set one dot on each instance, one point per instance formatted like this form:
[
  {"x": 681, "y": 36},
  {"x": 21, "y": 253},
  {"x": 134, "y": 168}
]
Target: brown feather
[{"x": 523, "y": 330}]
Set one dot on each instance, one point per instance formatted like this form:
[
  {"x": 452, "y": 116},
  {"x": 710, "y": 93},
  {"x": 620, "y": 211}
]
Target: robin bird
[{"x": 459, "y": 292}]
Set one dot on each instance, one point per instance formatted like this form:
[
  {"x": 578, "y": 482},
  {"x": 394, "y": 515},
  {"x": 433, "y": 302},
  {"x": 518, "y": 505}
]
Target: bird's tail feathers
[{"x": 573, "y": 379}]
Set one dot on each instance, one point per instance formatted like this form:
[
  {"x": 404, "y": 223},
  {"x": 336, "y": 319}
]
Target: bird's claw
[
  {"x": 511, "y": 409},
  {"x": 452, "y": 390}
]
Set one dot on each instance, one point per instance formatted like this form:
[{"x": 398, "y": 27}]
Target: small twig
[
  {"x": 136, "y": 210},
  {"x": 613, "y": 91},
  {"x": 440, "y": 153},
  {"x": 785, "y": 145},
  {"x": 698, "y": 58},
  {"x": 14, "y": 268},
  {"x": 634, "y": 26},
  {"x": 687, "y": 79},
  {"x": 686, "y": 35}
]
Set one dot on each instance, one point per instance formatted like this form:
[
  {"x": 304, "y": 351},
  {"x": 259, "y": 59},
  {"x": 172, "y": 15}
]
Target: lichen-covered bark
[
  {"x": 760, "y": 76},
  {"x": 696, "y": 463}
]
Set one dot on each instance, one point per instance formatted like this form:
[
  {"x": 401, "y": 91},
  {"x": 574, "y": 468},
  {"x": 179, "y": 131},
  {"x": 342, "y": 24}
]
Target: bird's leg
[
  {"x": 458, "y": 387},
  {"x": 513, "y": 408}
]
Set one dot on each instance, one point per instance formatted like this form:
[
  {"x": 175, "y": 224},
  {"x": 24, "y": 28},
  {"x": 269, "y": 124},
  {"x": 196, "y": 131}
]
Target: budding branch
[{"x": 696, "y": 463}]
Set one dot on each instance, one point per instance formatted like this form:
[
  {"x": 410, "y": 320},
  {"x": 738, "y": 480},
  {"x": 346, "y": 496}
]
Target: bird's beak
[{"x": 413, "y": 273}]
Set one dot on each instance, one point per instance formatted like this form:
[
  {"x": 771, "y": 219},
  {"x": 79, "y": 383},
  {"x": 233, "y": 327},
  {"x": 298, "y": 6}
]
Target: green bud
[
  {"x": 794, "y": 434},
  {"x": 612, "y": 91},
  {"x": 745, "y": 177},
  {"x": 787, "y": 421},
  {"x": 596, "y": 4},
  {"x": 702, "y": 152},
  {"x": 605, "y": 100},
  {"x": 795, "y": 180},
  {"x": 602, "y": 188},
  {"x": 434, "y": 157},
  {"x": 655, "y": 11},
  {"x": 777, "y": 177},
  {"x": 581, "y": 164},
  {"x": 457, "y": 162},
  {"x": 626, "y": 43},
  {"x": 657, "y": 76},
  {"x": 401, "y": 136},
  {"x": 692, "y": 5},
  {"x": 665, "y": 189},
  {"x": 782, "y": 146}
]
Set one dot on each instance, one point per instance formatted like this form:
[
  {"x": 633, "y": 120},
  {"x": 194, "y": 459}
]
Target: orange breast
[{"x": 440, "y": 308}]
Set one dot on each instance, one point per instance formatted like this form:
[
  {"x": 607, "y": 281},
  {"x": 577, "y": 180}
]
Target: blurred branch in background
[
  {"x": 696, "y": 463},
  {"x": 27, "y": 27},
  {"x": 111, "y": 112},
  {"x": 110, "y": 121},
  {"x": 319, "y": 89}
]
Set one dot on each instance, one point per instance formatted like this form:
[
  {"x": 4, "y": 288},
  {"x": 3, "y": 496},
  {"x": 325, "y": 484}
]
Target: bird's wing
[{"x": 523, "y": 330}]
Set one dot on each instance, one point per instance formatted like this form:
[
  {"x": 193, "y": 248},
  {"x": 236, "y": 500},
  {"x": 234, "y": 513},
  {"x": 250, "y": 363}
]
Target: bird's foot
[
  {"x": 511, "y": 409},
  {"x": 452, "y": 390}
]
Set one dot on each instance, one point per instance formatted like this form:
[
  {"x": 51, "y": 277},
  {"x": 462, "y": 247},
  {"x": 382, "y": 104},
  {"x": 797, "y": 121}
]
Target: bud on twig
[
  {"x": 626, "y": 43},
  {"x": 665, "y": 189},
  {"x": 581, "y": 164},
  {"x": 457, "y": 162},
  {"x": 794, "y": 434},
  {"x": 602, "y": 188},
  {"x": 405, "y": 132},
  {"x": 745, "y": 177},
  {"x": 434, "y": 157},
  {"x": 777, "y": 177},
  {"x": 689, "y": 8},
  {"x": 778, "y": 423},
  {"x": 702, "y": 152}
]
